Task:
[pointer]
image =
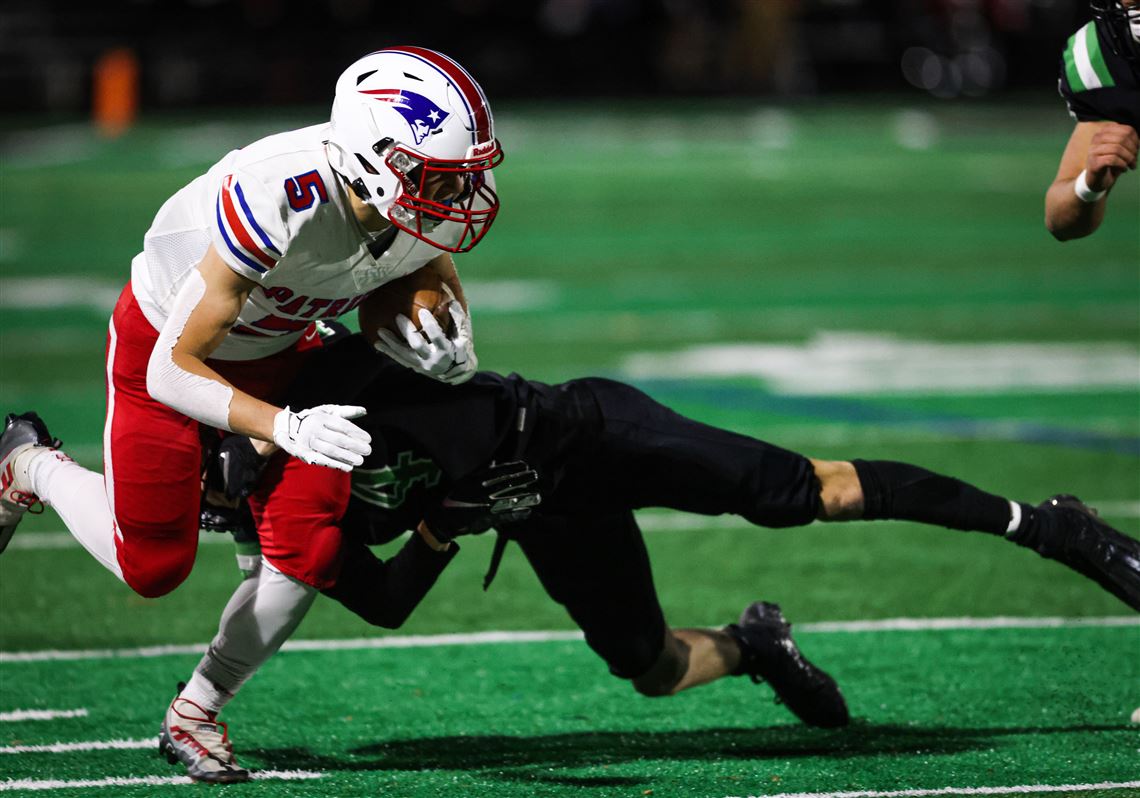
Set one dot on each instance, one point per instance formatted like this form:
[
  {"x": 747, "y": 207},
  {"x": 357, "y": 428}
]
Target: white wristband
[{"x": 1083, "y": 192}]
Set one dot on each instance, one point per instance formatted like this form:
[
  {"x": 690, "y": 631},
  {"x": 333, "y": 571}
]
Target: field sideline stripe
[
  {"x": 1023, "y": 788},
  {"x": 90, "y": 745},
  {"x": 494, "y": 638},
  {"x": 17, "y": 715},
  {"x": 143, "y": 781}
]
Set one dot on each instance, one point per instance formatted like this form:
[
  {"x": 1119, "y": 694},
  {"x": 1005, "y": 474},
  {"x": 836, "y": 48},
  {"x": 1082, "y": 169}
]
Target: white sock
[
  {"x": 205, "y": 693},
  {"x": 261, "y": 615},
  {"x": 1014, "y": 518},
  {"x": 80, "y": 498}
]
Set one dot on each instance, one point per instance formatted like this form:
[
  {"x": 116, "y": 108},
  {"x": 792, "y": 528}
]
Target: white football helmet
[
  {"x": 1120, "y": 24},
  {"x": 408, "y": 118}
]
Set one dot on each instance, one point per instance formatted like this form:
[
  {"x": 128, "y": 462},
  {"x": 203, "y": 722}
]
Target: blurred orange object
[{"x": 115, "y": 100}]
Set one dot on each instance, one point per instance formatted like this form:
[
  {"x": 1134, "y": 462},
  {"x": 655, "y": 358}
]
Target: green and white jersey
[{"x": 1096, "y": 83}]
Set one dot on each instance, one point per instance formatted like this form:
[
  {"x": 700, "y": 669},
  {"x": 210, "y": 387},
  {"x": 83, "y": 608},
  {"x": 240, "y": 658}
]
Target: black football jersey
[
  {"x": 425, "y": 434},
  {"x": 1096, "y": 83}
]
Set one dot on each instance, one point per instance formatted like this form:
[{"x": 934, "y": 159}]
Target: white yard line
[
  {"x": 18, "y": 715},
  {"x": 1019, "y": 789},
  {"x": 92, "y": 745},
  {"x": 53, "y": 293},
  {"x": 945, "y": 624},
  {"x": 651, "y": 521},
  {"x": 143, "y": 781},
  {"x": 57, "y": 292},
  {"x": 500, "y": 637}
]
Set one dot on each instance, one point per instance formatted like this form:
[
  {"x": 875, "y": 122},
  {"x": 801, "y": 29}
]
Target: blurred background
[
  {"x": 817, "y": 222},
  {"x": 270, "y": 52}
]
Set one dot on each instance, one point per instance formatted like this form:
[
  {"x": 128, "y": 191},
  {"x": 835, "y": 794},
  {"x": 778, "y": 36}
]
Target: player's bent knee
[
  {"x": 382, "y": 616},
  {"x": 154, "y": 566},
  {"x": 666, "y": 673},
  {"x": 655, "y": 688},
  {"x": 840, "y": 492},
  {"x": 154, "y": 583}
]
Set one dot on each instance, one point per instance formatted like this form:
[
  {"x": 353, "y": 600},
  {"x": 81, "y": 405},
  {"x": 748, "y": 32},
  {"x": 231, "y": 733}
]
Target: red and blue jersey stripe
[
  {"x": 478, "y": 110},
  {"x": 244, "y": 237}
]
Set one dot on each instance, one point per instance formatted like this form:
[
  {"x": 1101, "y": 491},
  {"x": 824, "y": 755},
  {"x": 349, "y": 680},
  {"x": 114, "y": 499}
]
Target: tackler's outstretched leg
[
  {"x": 1061, "y": 528},
  {"x": 642, "y": 454},
  {"x": 597, "y": 567}
]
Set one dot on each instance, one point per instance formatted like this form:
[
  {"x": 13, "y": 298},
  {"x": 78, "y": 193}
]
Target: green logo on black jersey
[{"x": 387, "y": 487}]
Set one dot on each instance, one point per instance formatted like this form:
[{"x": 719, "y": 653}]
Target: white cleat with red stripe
[
  {"x": 195, "y": 737},
  {"x": 24, "y": 437}
]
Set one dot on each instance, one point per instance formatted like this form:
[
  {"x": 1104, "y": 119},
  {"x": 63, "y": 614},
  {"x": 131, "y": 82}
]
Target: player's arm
[
  {"x": 223, "y": 293},
  {"x": 385, "y": 593},
  {"x": 206, "y": 308},
  {"x": 1098, "y": 152}
]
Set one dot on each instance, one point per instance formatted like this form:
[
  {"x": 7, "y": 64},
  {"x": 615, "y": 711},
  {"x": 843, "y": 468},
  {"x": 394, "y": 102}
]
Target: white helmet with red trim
[{"x": 406, "y": 119}]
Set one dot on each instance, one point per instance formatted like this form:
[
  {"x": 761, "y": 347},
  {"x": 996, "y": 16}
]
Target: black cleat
[
  {"x": 768, "y": 654},
  {"x": 1065, "y": 529}
]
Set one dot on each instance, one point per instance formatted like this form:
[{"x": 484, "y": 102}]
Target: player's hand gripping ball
[
  {"x": 417, "y": 322},
  {"x": 407, "y": 296}
]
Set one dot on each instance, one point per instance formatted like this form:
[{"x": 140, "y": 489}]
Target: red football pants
[{"x": 153, "y": 459}]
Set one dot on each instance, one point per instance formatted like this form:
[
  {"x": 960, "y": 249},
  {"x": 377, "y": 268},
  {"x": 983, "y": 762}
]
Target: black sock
[{"x": 908, "y": 493}]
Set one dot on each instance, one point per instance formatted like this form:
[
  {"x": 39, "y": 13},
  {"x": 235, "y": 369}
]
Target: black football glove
[
  {"x": 501, "y": 493},
  {"x": 232, "y": 472}
]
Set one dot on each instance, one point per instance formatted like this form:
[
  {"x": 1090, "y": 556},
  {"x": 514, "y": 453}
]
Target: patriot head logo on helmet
[
  {"x": 404, "y": 117},
  {"x": 423, "y": 115}
]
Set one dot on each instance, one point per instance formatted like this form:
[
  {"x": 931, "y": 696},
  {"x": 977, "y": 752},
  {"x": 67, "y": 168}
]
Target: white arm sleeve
[{"x": 200, "y": 398}]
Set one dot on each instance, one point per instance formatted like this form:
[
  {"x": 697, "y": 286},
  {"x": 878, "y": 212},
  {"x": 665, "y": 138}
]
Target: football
[{"x": 422, "y": 289}]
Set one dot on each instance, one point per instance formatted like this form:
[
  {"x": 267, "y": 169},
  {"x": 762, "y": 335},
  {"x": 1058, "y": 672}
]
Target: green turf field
[{"x": 845, "y": 280}]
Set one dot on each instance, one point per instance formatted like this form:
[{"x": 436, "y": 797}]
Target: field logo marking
[{"x": 858, "y": 363}]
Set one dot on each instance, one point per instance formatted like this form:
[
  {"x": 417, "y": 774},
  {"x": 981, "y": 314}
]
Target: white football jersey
[{"x": 278, "y": 215}]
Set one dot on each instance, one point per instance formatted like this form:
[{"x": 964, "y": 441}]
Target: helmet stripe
[{"x": 469, "y": 90}]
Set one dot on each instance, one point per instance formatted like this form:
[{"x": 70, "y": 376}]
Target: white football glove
[
  {"x": 429, "y": 350},
  {"x": 323, "y": 435}
]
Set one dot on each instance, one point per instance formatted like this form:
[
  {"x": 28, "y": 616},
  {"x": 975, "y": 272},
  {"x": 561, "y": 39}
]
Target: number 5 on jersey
[{"x": 304, "y": 190}]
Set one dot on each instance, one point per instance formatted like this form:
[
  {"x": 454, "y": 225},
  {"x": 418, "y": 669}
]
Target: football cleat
[
  {"x": 768, "y": 654},
  {"x": 195, "y": 737},
  {"x": 1065, "y": 529},
  {"x": 21, "y": 434}
]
